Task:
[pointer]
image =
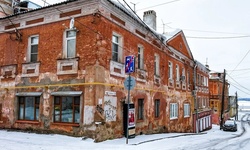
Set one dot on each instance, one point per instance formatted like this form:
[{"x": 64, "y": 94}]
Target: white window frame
[
  {"x": 186, "y": 110},
  {"x": 183, "y": 76},
  {"x": 173, "y": 110},
  {"x": 157, "y": 65},
  {"x": 170, "y": 70},
  {"x": 66, "y": 39},
  {"x": 119, "y": 44},
  {"x": 188, "y": 77},
  {"x": 177, "y": 69},
  {"x": 30, "y": 44},
  {"x": 140, "y": 57}
]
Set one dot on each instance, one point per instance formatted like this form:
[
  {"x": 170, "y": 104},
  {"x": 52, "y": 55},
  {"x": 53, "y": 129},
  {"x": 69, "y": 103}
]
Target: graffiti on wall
[{"x": 110, "y": 108}]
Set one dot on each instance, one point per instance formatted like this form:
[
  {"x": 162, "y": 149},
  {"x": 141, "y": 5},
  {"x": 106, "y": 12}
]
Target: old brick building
[
  {"x": 203, "y": 113},
  {"x": 215, "y": 94},
  {"x": 62, "y": 70}
]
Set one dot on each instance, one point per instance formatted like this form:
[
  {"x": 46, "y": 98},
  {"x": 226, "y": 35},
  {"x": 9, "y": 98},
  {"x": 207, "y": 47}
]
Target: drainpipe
[{"x": 195, "y": 99}]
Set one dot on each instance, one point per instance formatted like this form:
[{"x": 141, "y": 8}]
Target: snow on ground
[
  {"x": 211, "y": 139},
  {"x": 10, "y": 140}
]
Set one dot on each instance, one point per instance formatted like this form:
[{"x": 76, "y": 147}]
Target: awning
[
  {"x": 29, "y": 94},
  {"x": 67, "y": 93}
]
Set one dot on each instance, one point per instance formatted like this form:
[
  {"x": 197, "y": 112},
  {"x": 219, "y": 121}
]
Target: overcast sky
[{"x": 217, "y": 32}]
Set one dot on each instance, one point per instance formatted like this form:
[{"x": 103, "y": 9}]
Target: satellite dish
[{"x": 71, "y": 24}]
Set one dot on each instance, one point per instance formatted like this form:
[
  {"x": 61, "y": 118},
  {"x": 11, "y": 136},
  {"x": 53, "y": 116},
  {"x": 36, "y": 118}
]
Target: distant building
[
  {"x": 203, "y": 113},
  {"x": 215, "y": 97}
]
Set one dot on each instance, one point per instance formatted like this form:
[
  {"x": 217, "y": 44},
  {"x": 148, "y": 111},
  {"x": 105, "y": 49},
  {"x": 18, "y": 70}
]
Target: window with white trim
[
  {"x": 173, "y": 110},
  {"x": 183, "y": 75},
  {"x": 140, "y": 57},
  {"x": 70, "y": 44},
  {"x": 186, "y": 110},
  {"x": 117, "y": 48},
  {"x": 33, "y": 49},
  {"x": 170, "y": 70},
  {"x": 177, "y": 73},
  {"x": 157, "y": 65}
]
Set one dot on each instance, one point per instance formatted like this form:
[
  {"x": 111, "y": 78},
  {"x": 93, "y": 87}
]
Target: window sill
[
  {"x": 28, "y": 122},
  {"x": 174, "y": 118},
  {"x": 66, "y": 124}
]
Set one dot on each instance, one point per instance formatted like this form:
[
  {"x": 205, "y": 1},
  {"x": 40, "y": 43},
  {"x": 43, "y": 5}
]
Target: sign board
[
  {"x": 129, "y": 84},
  {"x": 129, "y": 64}
]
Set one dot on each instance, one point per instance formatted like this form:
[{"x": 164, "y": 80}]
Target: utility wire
[
  {"x": 239, "y": 88},
  {"x": 157, "y": 5},
  {"x": 238, "y": 83},
  {"x": 217, "y": 32},
  {"x": 240, "y": 62},
  {"x": 211, "y": 38},
  {"x": 19, "y": 34}
]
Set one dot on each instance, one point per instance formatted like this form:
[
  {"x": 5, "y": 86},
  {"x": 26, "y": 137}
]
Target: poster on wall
[
  {"x": 131, "y": 118},
  {"x": 110, "y": 108}
]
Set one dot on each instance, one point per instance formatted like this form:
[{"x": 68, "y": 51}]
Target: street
[{"x": 214, "y": 139}]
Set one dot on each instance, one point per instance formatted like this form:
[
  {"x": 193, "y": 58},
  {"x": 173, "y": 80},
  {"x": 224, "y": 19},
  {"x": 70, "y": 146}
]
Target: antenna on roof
[
  {"x": 164, "y": 25},
  {"x": 206, "y": 63},
  {"x": 45, "y": 2},
  {"x": 134, "y": 5}
]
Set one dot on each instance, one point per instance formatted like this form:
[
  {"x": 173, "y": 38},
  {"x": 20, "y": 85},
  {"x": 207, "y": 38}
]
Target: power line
[
  {"x": 246, "y": 69},
  {"x": 206, "y": 31},
  {"x": 238, "y": 83},
  {"x": 240, "y": 61},
  {"x": 211, "y": 38},
  {"x": 239, "y": 88},
  {"x": 157, "y": 5}
]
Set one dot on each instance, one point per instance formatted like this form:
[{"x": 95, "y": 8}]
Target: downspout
[{"x": 195, "y": 99}]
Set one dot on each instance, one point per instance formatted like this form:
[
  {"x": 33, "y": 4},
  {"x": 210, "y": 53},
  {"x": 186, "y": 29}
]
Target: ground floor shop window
[
  {"x": 67, "y": 109},
  {"x": 28, "y": 107}
]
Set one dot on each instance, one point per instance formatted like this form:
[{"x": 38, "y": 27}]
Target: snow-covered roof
[{"x": 170, "y": 34}]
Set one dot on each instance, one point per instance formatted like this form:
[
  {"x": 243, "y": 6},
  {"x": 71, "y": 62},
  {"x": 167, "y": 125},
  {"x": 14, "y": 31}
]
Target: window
[
  {"x": 188, "y": 78},
  {"x": 186, "y": 110},
  {"x": 70, "y": 47},
  {"x": 177, "y": 73},
  {"x": 116, "y": 48},
  {"x": 157, "y": 108},
  {"x": 170, "y": 70},
  {"x": 33, "y": 49},
  {"x": 67, "y": 109},
  {"x": 140, "y": 57},
  {"x": 157, "y": 65},
  {"x": 183, "y": 76},
  {"x": 140, "y": 109},
  {"x": 28, "y": 107},
  {"x": 173, "y": 110}
]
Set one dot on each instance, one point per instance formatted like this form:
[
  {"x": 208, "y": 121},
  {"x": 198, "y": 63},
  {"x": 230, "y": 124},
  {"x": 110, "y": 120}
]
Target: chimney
[{"x": 149, "y": 17}]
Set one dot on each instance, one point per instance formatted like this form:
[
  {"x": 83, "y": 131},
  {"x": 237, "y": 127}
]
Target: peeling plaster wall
[{"x": 94, "y": 68}]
